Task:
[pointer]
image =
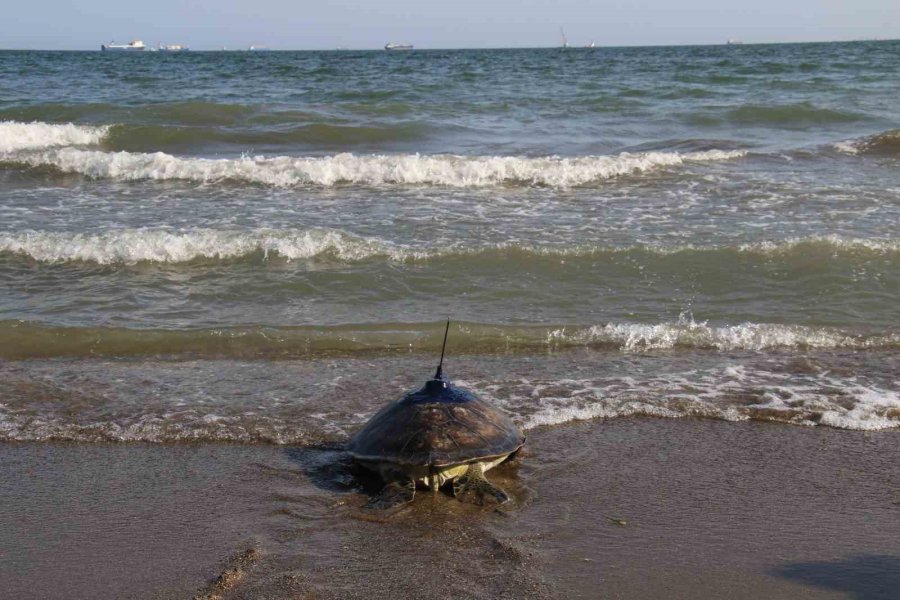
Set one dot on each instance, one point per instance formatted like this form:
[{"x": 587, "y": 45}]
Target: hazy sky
[{"x": 299, "y": 24}]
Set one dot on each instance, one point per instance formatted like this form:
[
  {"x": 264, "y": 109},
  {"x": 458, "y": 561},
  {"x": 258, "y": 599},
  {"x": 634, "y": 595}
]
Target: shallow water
[{"x": 688, "y": 218}]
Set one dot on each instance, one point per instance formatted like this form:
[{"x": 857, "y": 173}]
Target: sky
[{"x": 329, "y": 24}]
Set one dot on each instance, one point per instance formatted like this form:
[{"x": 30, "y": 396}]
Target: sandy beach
[
  {"x": 628, "y": 508},
  {"x": 676, "y": 268}
]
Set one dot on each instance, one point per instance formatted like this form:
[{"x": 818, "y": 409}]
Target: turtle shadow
[
  {"x": 328, "y": 467},
  {"x": 863, "y": 577}
]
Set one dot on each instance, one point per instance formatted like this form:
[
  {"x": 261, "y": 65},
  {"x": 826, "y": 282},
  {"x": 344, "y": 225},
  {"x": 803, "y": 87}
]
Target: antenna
[{"x": 439, "y": 374}]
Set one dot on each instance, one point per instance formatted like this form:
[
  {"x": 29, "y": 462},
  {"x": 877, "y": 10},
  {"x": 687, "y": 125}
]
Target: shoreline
[{"x": 708, "y": 509}]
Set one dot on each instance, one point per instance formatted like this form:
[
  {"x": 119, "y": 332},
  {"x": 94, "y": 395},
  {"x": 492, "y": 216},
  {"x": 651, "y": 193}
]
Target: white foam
[
  {"x": 847, "y": 146},
  {"x": 831, "y": 242},
  {"x": 557, "y": 415},
  {"x": 886, "y": 141},
  {"x": 731, "y": 393},
  {"x": 286, "y": 171},
  {"x": 23, "y": 136},
  {"x": 639, "y": 337},
  {"x": 129, "y": 246},
  {"x": 869, "y": 413},
  {"x": 723, "y": 391}
]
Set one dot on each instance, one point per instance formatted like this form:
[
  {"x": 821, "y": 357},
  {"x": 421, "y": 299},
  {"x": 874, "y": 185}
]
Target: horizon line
[{"x": 732, "y": 42}]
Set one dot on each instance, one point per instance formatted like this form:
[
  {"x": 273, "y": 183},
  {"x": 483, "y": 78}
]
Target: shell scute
[{"x": 438, "y": 425}]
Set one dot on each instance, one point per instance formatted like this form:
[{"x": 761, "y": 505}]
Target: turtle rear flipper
[
  {"x": 472, "y": 487},
  {"x": 394, "y": 494}
]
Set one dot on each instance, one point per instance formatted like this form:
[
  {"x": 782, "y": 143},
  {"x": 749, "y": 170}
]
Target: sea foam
[
  {"x": 884, "y": 143},
  {"x": 23, "y": 136},
  {"x": 637, "y": 337},
  {"x": 410, "y": 169},
  {"x": 130, "y": 246},
  {"x": 133, "y": 245},
  {"x": 732, "y": 393}
]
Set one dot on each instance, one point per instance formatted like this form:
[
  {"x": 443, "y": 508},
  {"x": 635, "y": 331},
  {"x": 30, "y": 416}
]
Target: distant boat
[
  {"x": 565, "y": 40},
  {"x": 734, "y": 42},
  {"x": 133, "y": 46},
  {"x": 258, "y": 49},
  {"x": 397, "y": 46},
  {"x": 591, "y": 45},
  {"x": 173, "y": 48}
]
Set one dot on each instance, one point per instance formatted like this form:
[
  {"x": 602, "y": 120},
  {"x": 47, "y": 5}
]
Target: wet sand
[{"x": 625, "y": 508}]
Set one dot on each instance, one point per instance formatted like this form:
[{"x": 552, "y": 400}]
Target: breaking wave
[
  {"x": 885, "y": 143},
  {"x": 131, "y": 246},
  {"x": 410, "y": 169},
  {"x": 758, "y": 337},
  {"x": 24, "y": 136}
]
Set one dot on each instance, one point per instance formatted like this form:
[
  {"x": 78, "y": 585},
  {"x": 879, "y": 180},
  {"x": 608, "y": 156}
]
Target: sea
[{"x": 265, "y": 247}]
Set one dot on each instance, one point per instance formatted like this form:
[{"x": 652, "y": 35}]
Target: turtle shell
[{"x": 439, "y": 425}]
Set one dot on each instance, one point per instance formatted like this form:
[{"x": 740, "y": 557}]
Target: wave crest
[
  {"x": 346, "y": 168},
  {"x": 885, "y": 143},
  {"x": 793, "y": 116},
  {"x": 131, "y": 246},
  {"x": 16, "y": 136},
  {"x": 757, "y": 337}
]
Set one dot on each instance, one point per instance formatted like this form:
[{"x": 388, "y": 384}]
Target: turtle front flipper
[
  {"x": 394, "y": 494},
  {"x": 472, "y": 487}
]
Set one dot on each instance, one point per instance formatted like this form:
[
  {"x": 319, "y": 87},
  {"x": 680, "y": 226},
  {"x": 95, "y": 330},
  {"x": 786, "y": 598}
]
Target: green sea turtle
[{"x": 438, "y": 434}]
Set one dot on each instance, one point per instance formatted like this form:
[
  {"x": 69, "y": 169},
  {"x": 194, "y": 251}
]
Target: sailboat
[{"x": 564, "y": 38}]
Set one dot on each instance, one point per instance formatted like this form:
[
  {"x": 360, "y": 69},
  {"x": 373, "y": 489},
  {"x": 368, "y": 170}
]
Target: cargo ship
[{"x": 133, "y": 46}]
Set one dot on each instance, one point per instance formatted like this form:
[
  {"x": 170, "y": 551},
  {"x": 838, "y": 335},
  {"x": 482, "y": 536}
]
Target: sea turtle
[{"x": 436, "y": 434}]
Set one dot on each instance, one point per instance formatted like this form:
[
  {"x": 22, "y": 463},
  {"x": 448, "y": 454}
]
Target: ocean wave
[
  {"x": 156, "y": 137},
  {"x": 732, "y": 393},
  {"x": 191, "y": 113},
  {"x": 408, "y": 169},
  {"x": 757, "y": 337},
  {"x": 792, "y": 116},
  {"x": 131, "y": 246},
  {"x": 256, "y": 402},
  {"x": 16, "y": 136},
  {"x": 23, "y": 340},
  {"x": 885, "y": 143}
]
